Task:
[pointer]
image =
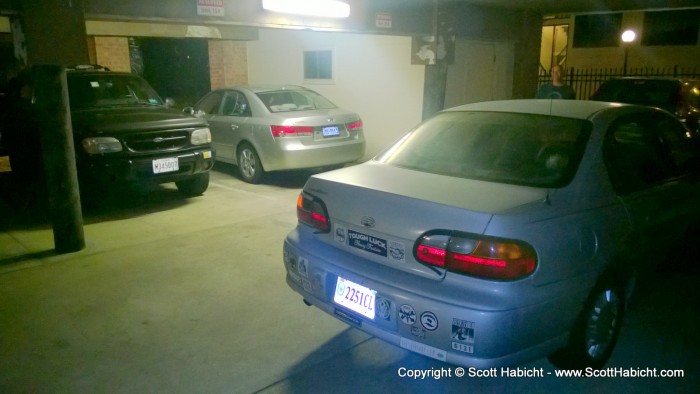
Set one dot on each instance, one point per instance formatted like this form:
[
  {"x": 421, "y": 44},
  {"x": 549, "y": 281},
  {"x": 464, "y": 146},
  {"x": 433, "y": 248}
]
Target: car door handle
[{"x": 234, "y": 126}]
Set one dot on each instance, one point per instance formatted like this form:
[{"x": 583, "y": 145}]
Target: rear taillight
[
  {"x": 484, "y": 257},
  {"x": 290, "y": 131},
  {"x": 354, "y": 126},
  {"x": 312, "y": 211}
]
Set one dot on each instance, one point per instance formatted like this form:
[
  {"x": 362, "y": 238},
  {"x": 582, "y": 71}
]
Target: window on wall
[
  {"x": 671, "y": 27},
  {"x": 597, "y": 30},
  {"x": 318, "y": 65}
]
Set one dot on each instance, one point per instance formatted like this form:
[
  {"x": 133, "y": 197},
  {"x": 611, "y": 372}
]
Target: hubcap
[
  {"x": 602, "y": 323},
  {"x": 247, "y": 163}
]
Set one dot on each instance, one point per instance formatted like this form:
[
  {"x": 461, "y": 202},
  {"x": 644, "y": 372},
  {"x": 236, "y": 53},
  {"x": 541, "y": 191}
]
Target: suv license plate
[
  {"x": 165, "y": 165},
  {"x": 355, "y": 297},
  {"x": 331, "y": 131}
]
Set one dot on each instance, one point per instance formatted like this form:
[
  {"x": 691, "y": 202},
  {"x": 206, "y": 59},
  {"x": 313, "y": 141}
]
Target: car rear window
[
  {"x": 98, "y": 90},
  {"x": 294, "y": 100},
  {"x": 523, "y": 149}
]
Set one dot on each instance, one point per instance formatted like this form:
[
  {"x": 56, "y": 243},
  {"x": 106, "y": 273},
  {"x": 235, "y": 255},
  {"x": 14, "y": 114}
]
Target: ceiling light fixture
[{"x": 324, "y": 8}]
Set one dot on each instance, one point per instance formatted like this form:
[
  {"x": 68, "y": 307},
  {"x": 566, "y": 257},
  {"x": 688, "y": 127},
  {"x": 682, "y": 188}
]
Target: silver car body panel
[
  {"x": 578, "y": 231},
  {"x": 285, "y": 153}
]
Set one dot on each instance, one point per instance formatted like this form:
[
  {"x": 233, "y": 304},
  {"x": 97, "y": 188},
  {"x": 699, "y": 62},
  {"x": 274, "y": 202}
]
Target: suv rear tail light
[
  {"x": 483, "y": 257},
  {"x": 290, "y": 131},
  {"x": 312, "y": 211}
]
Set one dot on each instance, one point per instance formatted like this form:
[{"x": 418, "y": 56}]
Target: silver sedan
[
  {"x": 270, "y": 128},
  {"x": 496, "y": 233}
]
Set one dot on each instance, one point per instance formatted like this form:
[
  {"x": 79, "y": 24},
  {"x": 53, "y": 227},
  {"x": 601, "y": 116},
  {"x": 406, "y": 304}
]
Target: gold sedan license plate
[{"x": 355, "y": 297}]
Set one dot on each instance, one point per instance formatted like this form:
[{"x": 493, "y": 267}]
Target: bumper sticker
[
  {"x": 429, "y": 321},
  {"x": 423, "y": 349},
  {"x": 407, "y": 314},
  {"x": 367, "y": 243},
  {"x": 462, "y": 331}
]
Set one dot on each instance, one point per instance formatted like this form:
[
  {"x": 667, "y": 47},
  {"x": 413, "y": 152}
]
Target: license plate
[
  {"x": 331, "y": 131},
  {"x": 165, "y": 165},
  {"x": 355, "y": 297}
]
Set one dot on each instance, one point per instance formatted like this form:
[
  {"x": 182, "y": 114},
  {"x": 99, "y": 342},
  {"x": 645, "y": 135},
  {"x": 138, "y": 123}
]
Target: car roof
[{"x": 578, "y": 109}]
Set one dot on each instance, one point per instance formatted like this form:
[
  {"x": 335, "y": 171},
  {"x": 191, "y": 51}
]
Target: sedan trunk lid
[{"x": 378, "y": 211}]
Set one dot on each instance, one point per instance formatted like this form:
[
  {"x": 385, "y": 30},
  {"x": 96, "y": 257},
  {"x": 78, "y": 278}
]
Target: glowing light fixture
[
  {"x": 324, "y": 8},
  {"x": 629, "y": 36}
]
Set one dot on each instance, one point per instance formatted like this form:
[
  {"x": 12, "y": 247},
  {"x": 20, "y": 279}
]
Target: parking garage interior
[{"x": 173, "y": 294}]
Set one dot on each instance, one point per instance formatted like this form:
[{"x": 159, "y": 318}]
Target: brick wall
[
  {"x": 113, "y": 53},
  {"x": 228, "y": 60},
  {"x": 228, "y": 63}
]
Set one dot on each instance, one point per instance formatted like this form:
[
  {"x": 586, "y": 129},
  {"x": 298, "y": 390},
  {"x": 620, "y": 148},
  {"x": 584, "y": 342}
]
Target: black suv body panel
[
  {"x": 149, "y": 142},
  {"x": 677, "y": 96}
]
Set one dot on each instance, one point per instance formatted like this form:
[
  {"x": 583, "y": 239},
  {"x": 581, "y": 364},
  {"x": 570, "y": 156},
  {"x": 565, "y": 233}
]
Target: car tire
[
  {"x": 249, "y": 167},
  {"x": 194, "y": 186},
  {"x": 596, "y": 330}
]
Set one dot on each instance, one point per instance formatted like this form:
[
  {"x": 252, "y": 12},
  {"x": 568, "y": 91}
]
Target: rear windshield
[
  {"x": 522, "y": 149},
  {"x": 294, "y": 100},
  {"x": 97, "y": 90},
  {"x": 654, "y": 93}
]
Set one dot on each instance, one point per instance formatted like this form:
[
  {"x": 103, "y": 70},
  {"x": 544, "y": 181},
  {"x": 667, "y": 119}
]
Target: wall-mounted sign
[
  {"x": 382, "y": 20},
  {"x": 210, "y": 7}
]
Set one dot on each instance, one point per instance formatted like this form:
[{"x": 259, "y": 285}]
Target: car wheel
[
  {"x": 249, "y": 167},
  {"x": 195, "y": 185},
  {"x": 595, "y": 334}
]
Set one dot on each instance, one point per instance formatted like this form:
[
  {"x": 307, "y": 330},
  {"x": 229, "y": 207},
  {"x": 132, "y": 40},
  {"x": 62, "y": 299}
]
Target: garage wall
[
  {"x": 373, "y": 76},
  {"x": 113, "y": 53}
]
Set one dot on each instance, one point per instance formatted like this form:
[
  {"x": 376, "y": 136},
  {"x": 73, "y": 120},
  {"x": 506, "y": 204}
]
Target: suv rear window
[
  {"x": 523, "y": 149},
  {"x": 98, "y": 90},
  {"x": 664, "y": 94}
]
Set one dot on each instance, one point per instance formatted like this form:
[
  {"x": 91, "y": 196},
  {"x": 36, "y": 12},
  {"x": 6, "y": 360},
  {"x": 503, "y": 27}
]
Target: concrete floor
[{"x": 188, "y": 296}]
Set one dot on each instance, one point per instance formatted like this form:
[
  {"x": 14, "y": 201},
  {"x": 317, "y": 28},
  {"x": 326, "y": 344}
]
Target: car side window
[
  {"x": 235, "y": 104},
  {"x": 641, "y": 152},
  {"x": 210, "y": 104}
]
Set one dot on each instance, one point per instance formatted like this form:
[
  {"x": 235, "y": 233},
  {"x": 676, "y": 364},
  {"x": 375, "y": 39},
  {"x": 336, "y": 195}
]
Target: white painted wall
[{"x": 373, "y": 76}]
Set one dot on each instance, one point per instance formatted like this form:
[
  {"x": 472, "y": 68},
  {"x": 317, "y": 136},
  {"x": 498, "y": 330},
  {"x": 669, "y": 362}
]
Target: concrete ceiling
[{"x": 577, "y": 6}]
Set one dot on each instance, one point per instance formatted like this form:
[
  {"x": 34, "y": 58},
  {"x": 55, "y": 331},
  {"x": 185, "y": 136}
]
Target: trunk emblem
[
  {"x": 367, "y": 221},
  {"x": 330, "y": 120}
]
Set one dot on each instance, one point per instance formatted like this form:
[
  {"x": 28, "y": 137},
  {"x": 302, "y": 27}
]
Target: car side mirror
[{"x": 188, "y": 111}]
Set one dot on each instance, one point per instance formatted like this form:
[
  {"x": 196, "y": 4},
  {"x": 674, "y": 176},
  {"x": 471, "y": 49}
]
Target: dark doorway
[{"x": 178, "y": 68}]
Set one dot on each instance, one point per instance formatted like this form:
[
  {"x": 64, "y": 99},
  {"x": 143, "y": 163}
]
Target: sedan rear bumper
[
  {"x": 291, "y": 155},
  {"x": 421, "y": 321}
]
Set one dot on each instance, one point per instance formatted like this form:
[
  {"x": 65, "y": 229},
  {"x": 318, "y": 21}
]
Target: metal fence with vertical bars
[{"x": 585, "y": 81}]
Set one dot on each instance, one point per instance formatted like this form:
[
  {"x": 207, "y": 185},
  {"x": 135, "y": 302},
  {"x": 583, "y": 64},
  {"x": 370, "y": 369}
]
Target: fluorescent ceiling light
[{"x": 325, "y": 8}]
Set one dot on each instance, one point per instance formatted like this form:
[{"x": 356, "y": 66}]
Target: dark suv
[
  {"x": 124, "y": 133},
  {"x": 677, "y": 96}
]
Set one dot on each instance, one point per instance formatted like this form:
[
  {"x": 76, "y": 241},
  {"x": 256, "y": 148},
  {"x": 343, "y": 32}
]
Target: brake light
[
  {"x": 287, "y": 131},
  {"x": 354, "y": 125},
  {"x": 477, "y": 256},
  {"x": 312, "y": 211}
]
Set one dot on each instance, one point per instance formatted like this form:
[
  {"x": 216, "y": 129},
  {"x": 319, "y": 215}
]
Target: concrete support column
[
  {"x": 55, "y": 36},
  {"x": 54, "y": 31},
  {"x": 434, "y": 88},
  {"x": 51, "y": 101},
  {"x": 527, "y": 55}
]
